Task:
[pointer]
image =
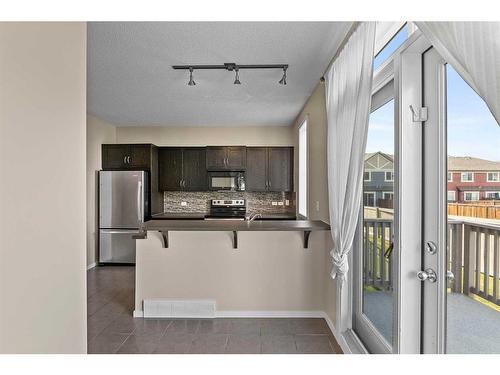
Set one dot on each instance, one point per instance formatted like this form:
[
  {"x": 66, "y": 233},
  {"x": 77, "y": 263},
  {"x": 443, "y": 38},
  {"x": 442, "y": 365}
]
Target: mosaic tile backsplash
[{"x": 200, "y": 201}]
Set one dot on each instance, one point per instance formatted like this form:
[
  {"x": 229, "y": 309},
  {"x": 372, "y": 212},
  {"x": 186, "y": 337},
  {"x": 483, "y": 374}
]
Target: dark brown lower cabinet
[
  {"x": 269, "y": 169},
  {"x": 183, "y": 169}
]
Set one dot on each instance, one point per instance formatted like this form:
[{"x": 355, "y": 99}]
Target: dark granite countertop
[
  {"x": 235, "y": 225},
  {"x": 179, "y": 216},
  {"x": 201, "y": 216}
]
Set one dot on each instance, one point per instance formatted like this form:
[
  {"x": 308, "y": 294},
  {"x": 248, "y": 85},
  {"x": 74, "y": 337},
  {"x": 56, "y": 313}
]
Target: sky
[{"x": 472, "y": 129}]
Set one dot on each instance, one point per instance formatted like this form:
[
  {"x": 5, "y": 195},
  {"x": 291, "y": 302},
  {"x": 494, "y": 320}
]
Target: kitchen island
[{"x": 258, "y": 268}]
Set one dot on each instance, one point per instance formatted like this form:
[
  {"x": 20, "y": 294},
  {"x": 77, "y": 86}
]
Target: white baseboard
[
  {"x": 138, "y": 314},
  {"x": 268, "y": 314},
  {"x": 90, "y": 266}
]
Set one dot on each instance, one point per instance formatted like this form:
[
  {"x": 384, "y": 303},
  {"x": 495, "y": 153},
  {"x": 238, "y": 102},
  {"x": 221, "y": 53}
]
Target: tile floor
[{"x": 112, "y": 329}]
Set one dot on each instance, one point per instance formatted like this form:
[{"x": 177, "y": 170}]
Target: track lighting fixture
[
  {"x": 191, "y": 80},
  {"x": 282, "y": 81},
  {"x": 237, "y": 77},
  {"x": 230, "y": 67}
]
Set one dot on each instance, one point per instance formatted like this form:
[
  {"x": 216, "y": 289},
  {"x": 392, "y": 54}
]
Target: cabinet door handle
[
  {"x": 124, "y": 160},
  {"x": 128, "y": 159}
]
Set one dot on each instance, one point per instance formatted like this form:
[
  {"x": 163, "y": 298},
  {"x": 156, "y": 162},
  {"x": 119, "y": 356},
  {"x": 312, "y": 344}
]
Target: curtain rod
[{"x": 351, "y": 31}]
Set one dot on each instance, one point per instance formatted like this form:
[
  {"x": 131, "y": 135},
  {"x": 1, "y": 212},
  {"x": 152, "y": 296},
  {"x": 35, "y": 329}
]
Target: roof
[
  {"x": 387, "y": 156},
  {"x": 469, "y": 163}
]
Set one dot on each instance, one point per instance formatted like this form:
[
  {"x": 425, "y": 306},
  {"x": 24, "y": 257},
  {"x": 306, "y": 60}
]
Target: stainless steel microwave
[{"x": 223, "y": 180}]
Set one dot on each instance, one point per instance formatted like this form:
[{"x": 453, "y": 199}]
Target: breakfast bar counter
[
  {"x": 234, "y": 226},
  {"x": 266, "y": 267}
]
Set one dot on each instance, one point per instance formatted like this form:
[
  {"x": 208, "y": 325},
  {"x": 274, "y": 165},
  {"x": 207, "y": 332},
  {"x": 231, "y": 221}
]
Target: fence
[
  {"x": 473, "y": 256},
  {"x": 485, "y": 211}
]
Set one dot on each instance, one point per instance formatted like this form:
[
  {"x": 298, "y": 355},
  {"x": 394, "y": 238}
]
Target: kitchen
[{"x": 206, "y": 208}]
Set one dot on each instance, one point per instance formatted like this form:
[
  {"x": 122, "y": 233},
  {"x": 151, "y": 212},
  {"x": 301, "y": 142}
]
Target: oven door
[{"x": 224, "y": 181}]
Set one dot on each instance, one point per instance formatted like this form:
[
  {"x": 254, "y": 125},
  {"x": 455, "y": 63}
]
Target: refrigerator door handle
[{"x": 140, "y": 215}]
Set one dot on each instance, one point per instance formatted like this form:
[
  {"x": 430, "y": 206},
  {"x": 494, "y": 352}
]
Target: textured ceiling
[{"x": 131, "y": 82}]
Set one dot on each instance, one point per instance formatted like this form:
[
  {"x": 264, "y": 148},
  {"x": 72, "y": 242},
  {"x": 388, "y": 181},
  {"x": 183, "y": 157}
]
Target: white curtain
[
  {"x": 348, "y": 95},
  {"x": 473, "y": 49}
]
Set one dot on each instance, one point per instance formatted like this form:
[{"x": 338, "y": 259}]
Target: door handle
[
  {"x": 429, "y": 274},
  {"x": 450, "y": 277},
  {"x": 128, "y": 159},
  {"x": 140, "y": 214},
  {"x": 124, "y": 160}
]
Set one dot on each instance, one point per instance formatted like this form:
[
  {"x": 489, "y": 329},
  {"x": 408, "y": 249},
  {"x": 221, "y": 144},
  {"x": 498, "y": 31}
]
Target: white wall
[
  {"x": 270, "y": 271},
  {"x": 315, "y": 111},
  {"x": 42, "y": 192},
  {"x": 203, "y": 136},
  {"x": 98, "y": 132}
]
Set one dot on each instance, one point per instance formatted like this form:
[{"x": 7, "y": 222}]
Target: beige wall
[
  {"x": 203, "y": 136},
  {"x": 98, "y": 132},
  {"x": 270, "y": 271},
  {"x": 315, "y": 112},
  {"x": 42, "y": 194}
]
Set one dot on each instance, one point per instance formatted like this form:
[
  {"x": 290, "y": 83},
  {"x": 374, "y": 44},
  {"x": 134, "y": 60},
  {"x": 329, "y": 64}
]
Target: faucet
[{"x": 253, "y": 216}]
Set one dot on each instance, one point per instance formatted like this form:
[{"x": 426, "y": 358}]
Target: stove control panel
[{"x": 228, "y": 202}]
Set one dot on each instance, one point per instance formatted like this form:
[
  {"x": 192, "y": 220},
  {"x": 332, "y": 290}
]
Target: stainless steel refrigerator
[{"x": 123, "y": 207}]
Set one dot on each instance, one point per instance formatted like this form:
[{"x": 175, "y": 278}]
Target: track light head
[
  {"x": 191, "y": 80},
  {"x": 237, "y": 77},
  {"x": 282, "y": 81}
]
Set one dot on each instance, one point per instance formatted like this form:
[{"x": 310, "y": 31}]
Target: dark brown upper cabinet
[
  {"x": 220, "y": 158},
  {"x": 256, "y": 173},
  {"x": 127, "y": 156},
  {"x": 269, "y": 169},
  {"x": 183, "y": 169}
]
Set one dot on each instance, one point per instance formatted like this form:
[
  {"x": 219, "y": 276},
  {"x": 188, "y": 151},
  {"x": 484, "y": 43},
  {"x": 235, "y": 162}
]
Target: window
[
  {"x": 389, "y": 176},
  {"x": 492, "y": 195},
  {"x": 451, "y": 196},
  {"x": 493, "y": 177},
  {"x": 395, "y": 42},
  {"x": 467, "y": 177},
  {"x": 303, "y": 169},
  {"x": 450, "y": 177},
  {"x": 369, "y": 199},
  {"x": 367, "y": 176},
  {"x": 471, "y": 195},
  {"x": 388, "y": 195}
]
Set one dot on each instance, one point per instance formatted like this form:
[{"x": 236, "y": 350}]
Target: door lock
[
  {"x": 429, "y": 274},
  {"x": 431, "y": 247}
]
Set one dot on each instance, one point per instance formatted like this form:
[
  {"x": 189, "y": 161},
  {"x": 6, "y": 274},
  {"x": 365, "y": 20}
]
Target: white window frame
[
  {"x": 466, "y": 173},
  {"x": 392, "y": 176},
  {"x": 471, "y": 192},
  {"x": 454, "y": 199},
  {"x": 369, "y": 176},
  {"x": 373, "y": 193},
  {"x": 492, "y": 173},
  {"x": 303, "y": 196},
  {"x": 384, "y": 193},
  {"x": 450, "y": 176},
  {"x": 491, "y": 192}
]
